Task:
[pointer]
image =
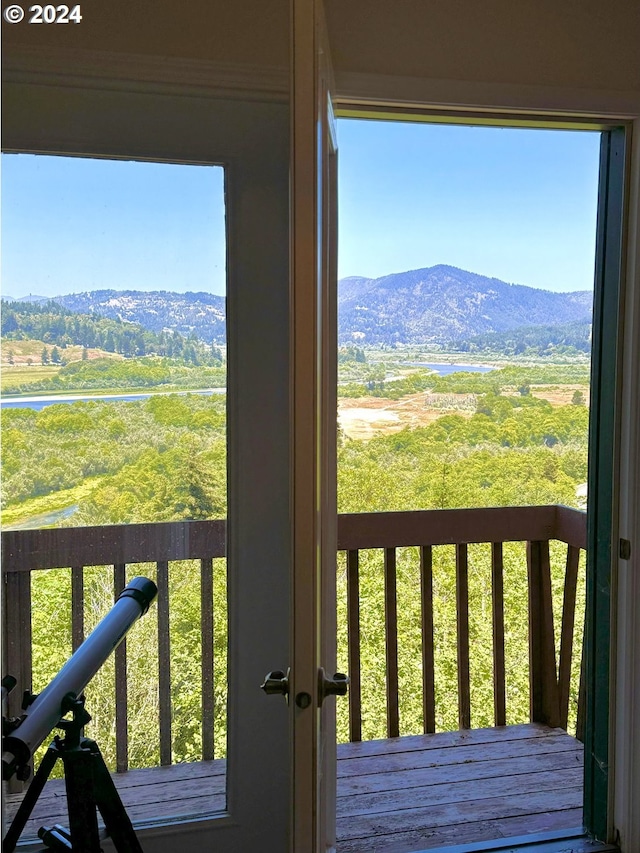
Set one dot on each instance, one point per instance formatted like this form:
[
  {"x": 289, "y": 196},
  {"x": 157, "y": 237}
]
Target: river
[
  {"x": 39, "y": 403},
  {"x": 444, "y": 369}
]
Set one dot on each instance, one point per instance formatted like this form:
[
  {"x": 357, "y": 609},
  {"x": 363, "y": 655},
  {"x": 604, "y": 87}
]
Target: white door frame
[
  {"x": 250, "y": 137},
  {"x": 314, "y": 381}
]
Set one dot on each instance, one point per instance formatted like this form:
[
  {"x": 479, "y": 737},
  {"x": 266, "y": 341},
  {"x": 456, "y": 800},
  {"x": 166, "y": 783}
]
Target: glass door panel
[{"x": 114, "y": 413}]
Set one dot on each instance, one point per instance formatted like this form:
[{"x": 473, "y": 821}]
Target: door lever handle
[
  {"x": 276, "y": 682},
  {"x": 336, "y": 686}
]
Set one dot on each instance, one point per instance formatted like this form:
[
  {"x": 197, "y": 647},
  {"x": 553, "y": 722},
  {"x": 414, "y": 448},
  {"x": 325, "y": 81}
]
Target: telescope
[{"x": 46, "y": 710}]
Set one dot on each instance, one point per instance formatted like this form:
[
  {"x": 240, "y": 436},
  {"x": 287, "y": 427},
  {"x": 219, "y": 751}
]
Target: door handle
[
  {"x": 336, "y": 686},
  {"x": 276, "y": 682}
]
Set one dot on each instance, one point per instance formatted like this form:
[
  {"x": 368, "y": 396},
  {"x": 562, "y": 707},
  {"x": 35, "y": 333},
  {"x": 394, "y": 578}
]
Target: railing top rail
[
  {"x": 461, "y": 526},
  {"x": 28, "y": 550}
]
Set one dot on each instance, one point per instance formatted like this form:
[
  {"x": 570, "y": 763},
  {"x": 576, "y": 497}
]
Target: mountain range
[
  {"x": 436, "y": 305},
  {"x": 441, "y": 304},
  {"x": 156, "y": 310}
]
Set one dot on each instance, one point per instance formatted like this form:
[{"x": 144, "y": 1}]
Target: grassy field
[
  {"x": 13, "y": 376},
  {"x": 22, "y": 360},
  {"x": 27, "y": 361}
]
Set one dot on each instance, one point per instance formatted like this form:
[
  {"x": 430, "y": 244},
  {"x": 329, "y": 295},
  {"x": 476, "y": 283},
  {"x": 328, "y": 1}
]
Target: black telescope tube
[{"x": 45, "y": 712}]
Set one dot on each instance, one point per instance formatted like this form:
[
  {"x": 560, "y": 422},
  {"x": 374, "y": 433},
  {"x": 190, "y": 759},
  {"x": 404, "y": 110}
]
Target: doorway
[{"x": 412, "y": 379}]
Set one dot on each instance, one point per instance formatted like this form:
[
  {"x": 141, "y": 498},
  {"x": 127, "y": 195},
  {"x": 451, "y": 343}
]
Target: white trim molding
[
  {"x": 378, "y": 90},
  {"x": 99, "y": 69}
]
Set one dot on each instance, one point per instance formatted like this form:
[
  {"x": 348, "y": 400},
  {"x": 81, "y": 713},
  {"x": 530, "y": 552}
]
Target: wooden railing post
[
  {"x": 391, "y": 642},
  {"x": 543, "y": 680},
  {"x": 497, "y": 614},
  {"x": 77, "y": 607},
  {"x": 164, "y": 662},
  {"x": 16, "y": 644},
  {"x": 428, "y": 667},
  {"x": 462, "y": 610},
  {"x": 353, "y": 641},
  {"x": 566, "y": 638},
  {"x": 122, "y": 724},
  {"x": 207, "y": 660},
  {"x": 582, "y": 697}
]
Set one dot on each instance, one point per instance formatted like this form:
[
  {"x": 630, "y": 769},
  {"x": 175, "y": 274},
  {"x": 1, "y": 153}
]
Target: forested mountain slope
[
  {"x": 443, "y": 304},
  {"x": 186, "y": 313}
]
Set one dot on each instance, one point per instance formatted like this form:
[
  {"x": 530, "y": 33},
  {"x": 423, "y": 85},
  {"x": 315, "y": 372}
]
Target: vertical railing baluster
[
  {"x": 543, "y": 678},
  {"x": 566, "y": 637},
  {"x": 17, "y": 645},
  {"x": 497, "y": 612},
  {"x": 353, "y": 629},
  {"x": 207, "y": 627},
  {"x": 122, "y": 728},
  {"x": 164, "y": 662},
  {"x": 428, "y": 667},
  {"x": 582, "y": 696},
  {"x": 77, "y": 607},
  {"x": 462, "y": 610},
  {"x": 391, "y": 641}
]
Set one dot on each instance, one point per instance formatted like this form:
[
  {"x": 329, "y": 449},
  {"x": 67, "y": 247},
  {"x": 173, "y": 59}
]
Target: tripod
[{"x": 89, "y": 786}]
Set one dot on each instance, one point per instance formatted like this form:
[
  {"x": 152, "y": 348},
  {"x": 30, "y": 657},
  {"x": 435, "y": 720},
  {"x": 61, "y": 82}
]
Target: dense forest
[
  {"x": 528, "y": 341},
  {"x": 60, "y": 327}
]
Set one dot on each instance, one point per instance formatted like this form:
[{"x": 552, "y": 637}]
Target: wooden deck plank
[
  {"x": 453, "y": 755},
  {"x": 443, "y": 836},
  {"x": 423, "y": 792},
  {"x": 447, "y": 792},
  {"x": 429, "y": 817},
  {"x": 445, "y": 775},
  {"x": 407, "y": 743},
  {"x": 195, "y": 788}
]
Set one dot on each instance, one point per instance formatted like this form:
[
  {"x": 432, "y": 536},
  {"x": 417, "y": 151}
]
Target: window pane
[{"x": 114, "y": 413}]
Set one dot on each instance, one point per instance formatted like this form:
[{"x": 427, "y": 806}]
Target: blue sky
[
  {"x": 72, "y": 224},
  {"x": 519, "y": 205}
]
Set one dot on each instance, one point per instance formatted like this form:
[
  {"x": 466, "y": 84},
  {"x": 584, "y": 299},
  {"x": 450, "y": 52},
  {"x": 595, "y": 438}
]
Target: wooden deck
[{"x": 397, "y": 795}]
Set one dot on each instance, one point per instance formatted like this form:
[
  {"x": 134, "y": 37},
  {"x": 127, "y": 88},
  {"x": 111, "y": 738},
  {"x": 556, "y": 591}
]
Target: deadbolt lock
[{"x": 336, "y": 686}]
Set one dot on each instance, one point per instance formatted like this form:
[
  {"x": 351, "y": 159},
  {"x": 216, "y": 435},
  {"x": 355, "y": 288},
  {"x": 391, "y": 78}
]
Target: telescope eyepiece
[
  {"x": 8, "y": 683},
  {"x": 143, "y": 590}
]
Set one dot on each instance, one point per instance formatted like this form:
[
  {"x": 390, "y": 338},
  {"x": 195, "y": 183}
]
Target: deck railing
[
  {"x": 75, "y": 549},
  {"x": 549, "y": 679}
]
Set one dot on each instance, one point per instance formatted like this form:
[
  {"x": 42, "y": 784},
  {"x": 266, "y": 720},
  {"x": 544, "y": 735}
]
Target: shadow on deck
[{"x": 397, "y": 795}]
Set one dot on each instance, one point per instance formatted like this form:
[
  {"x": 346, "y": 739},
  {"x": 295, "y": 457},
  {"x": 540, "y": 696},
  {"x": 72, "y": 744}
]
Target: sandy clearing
[
  {"x": 367, "y": 417},
  {"x": 560, "y": 396}
]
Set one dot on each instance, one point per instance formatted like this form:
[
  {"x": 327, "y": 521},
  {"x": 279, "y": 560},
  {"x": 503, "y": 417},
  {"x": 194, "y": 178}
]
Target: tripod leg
[
  {"x": 81, "y": 801},
  {"x": 30, "y": 798},
  {"x": 116, "y": 819}
]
